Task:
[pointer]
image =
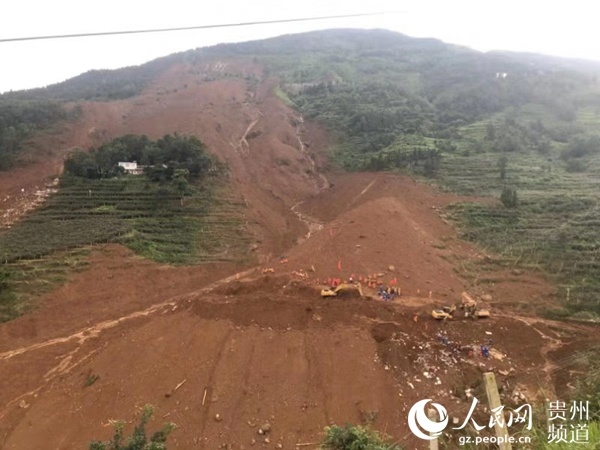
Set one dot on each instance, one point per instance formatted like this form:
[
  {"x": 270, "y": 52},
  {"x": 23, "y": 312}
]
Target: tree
[
  {"x": 490, "y": 131},
  {"x": 18, "y": 120},
  {"x": 581, "y": 146},
  {"x": 181, "y": 183},
  {"x": 502, "y": 162},
  {"x": 161, "y": 158},
  {"x": 138, "y": 440},
  {"x": 509, "y": 197},
  {"x": 431, "y": 165},
  {"x": 81, "y": 164}
]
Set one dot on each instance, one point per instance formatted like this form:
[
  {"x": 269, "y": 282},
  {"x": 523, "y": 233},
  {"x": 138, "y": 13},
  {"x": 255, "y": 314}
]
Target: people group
[
  {"x": 387, "y": 293},
  {"x": 456, "y": 348}
]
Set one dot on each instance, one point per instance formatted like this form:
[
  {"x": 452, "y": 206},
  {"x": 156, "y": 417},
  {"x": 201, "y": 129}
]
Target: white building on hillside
[{"x": 132, "y": 168}]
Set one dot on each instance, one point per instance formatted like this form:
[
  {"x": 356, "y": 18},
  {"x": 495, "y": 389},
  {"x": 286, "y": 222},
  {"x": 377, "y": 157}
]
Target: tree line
[
  {"x": 18, "y": 120},
  {"x": 163, "y": 160}
]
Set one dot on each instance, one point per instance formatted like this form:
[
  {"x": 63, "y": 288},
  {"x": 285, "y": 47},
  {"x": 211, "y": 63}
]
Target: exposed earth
[{"x": 222, "y": 350}]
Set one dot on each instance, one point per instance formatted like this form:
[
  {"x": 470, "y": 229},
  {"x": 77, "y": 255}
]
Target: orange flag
[
  {"x": 340, "y": 264},
  {"x": 331, "y": 232}
]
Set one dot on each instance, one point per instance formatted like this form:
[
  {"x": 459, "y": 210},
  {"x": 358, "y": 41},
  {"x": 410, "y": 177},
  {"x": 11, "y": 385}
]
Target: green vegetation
[
  {"x": 101, "y": 84},
  {"x": 146, "y": 216},
  {"x": 541, "y": 438},
  {"x": 355, "y": 437},
  {"x": 587, "y": 388},
  {"x": 385, "y": 95},
  {"x": 161, "y": 159},
  {"x": 24, "y": 112},
  {"x": 377, "y": 88},
  {"x": 518, "y": 128},
  {"x": 138, "y": 440},
  {"x": 140, "y": 211},
  {"x": 175, "y": 221},
  {"x": 509, "y": 197},
  {"x": 284, "y": 97},
  {"x": 90, "y": 379},
  {"x": 553, "y": 229},
  {"x": 19, "y": 119},
  {"x": 23, "y": 280}
]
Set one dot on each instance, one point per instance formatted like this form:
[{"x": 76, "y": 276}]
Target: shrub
[
  {"x": 575, "y": 165},
  {"x": 588, "y": 387},
  {"x": 354, "y": 437},
  {"x": 138, "y": 441},
  {"x": 509, "y": 197}
]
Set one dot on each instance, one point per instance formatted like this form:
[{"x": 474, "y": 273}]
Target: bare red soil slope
[
  {"x": 222, "y": 350},
  {"x": 242, "y": 122}
]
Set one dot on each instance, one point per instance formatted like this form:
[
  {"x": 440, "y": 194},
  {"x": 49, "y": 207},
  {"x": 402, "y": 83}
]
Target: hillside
[
  {"x": 388, "y": 102},
  {"x": 348, "y": 153}
]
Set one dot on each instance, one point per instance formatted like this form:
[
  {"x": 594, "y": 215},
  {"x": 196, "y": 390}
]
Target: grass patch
[
  {"x": 554, "y": 229},
  {"x": 355, "y": 437},
  {"x": 106, "y": 208},
  {"x": 22, "y": 281},
  {"x": 90, "y": 379},
  {"x": 281, "y": 95},
  {"x": 145, "y": 216},
  {"x": 38, "y": 253}
]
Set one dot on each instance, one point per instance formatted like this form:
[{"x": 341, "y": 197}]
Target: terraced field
[
  {"x": 148, "y": 218},
  {"x": 21, "y": 281},
  {"x": 554, "y": 228}
]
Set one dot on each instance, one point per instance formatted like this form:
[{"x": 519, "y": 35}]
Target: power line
[{"x": 199, "y": 27}]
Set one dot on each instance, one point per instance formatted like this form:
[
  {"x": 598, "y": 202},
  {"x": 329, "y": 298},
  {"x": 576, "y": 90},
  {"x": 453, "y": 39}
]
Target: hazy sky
[{"x": 554, "y": 28}]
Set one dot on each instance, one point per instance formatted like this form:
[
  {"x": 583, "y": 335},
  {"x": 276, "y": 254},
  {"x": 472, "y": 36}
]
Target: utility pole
[
  {"x": 491, "y": 390},
  {"x": 432, "y": 414}
]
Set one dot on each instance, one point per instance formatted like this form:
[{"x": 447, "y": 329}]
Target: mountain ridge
[{"x": 312, "y": 41}]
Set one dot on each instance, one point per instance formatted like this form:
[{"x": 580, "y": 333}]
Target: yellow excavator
[
  {"x": 444, "y": 313},
  {"x": 468, "y": 305},
  {"x": 340, "y": 288}
]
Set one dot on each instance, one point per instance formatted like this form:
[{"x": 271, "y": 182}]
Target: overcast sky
[{"x": 554, "y": 28}]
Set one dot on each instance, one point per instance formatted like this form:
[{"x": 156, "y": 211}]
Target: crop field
[
  {"x": 144, "y": 216},
  {"x": 135, "y": 212},
  {"x": 21, "y": 281},
  {"x": 554, "y": 229}
]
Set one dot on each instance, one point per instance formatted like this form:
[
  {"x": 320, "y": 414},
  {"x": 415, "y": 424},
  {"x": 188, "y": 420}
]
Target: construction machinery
[
  {"x": 481, "y": 313},
  {"x": 467, "y": 301},
  {"x": 444, "y": 313},
  {"x": 440, "y": 314},
  {"x": 341, "y": 288},
  {"x": 469, "y": 305}
]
